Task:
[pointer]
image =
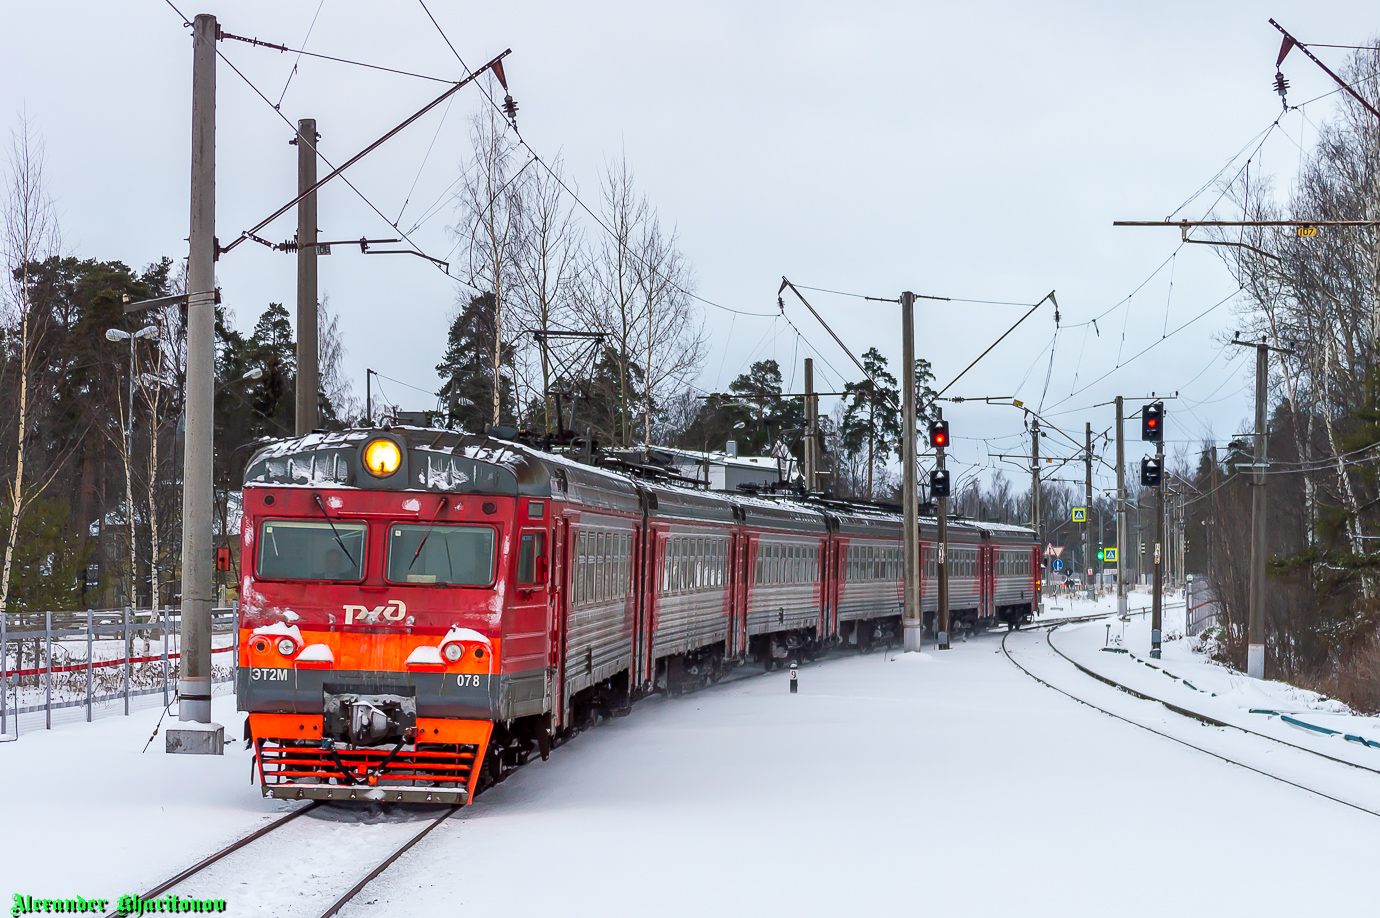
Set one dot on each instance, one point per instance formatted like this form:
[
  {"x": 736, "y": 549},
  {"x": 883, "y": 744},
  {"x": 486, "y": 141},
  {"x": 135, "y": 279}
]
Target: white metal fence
[
  {"x": 97, "y": 662},
  {"x": 1203, "y": 609}
]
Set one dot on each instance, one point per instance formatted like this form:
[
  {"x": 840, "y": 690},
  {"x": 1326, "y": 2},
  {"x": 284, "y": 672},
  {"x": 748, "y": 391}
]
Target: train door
[
  {"x": 989, "y": 580},
  {"x": 652, "y": 562},
  {"x": 731, "y": 594},
  {"x": 559, "y": 611},
  {"x": 747, "y": 548},
  {"x": 638, "y": 596}
]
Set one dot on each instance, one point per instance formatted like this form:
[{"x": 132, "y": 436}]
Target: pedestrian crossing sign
[
  {"x": 1080, "y": 514},
  {"x": 1110, "y": 554}
]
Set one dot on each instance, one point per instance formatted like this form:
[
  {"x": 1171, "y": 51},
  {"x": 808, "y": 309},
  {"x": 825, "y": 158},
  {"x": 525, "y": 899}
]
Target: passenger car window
[
  {"x": 440, "y": 555},
  {"x": 311, "y": 550}
]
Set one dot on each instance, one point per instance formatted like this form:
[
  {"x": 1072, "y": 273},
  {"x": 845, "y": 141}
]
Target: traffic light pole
[
  {"x": 942, "y": 626},
  {"x": 911, "y": 626},
  {"x": 1120, "y": 509},
  {"x": 1157, "y": 608}
]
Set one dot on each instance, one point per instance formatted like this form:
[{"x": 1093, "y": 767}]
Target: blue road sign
[{"x": 1058, "y": 565}]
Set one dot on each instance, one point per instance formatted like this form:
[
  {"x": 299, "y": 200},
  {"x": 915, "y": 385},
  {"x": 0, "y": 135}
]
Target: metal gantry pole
[
  {"x": 1120, "y": 509},
  {"x": 1255, "y": 650},
  {"x": 1157, "y": 608},
  {"x": 307, "y": 302},
  {"x": 194, "y": 680},
  {"x": 48, "y": 671},
  {"x": 911, "y": 625},
  {"x": 90, "y": 637},
  {"x": 125, "y": 638}
]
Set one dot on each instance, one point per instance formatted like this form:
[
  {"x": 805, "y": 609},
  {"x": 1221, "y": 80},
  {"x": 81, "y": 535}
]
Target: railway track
[
  {"x": 1227, "y": 757},
  {"x": 1199, "y": 715},
  {"x": 200, "y": 868}
]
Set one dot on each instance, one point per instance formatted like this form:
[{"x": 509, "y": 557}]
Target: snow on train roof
[{"x": 319, "y": 460}]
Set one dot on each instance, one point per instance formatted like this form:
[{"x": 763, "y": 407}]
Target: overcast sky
[{"x": 978, "y": 150}]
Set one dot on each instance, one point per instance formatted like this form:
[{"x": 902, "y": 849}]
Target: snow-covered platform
[{"x": 941, "y": 784}]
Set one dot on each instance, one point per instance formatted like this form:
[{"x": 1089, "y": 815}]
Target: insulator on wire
[
  {"x": 1281, "y": 87},
  {"x": 510, "y": 107}
]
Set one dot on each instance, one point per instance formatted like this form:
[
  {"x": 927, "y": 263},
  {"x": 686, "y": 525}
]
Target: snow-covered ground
[{"x": 945, "y": 784}]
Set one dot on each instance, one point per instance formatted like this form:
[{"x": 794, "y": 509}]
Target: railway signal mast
[
  {"x": 1152, "y": 475},
  {"x": 939, "y": 489}
]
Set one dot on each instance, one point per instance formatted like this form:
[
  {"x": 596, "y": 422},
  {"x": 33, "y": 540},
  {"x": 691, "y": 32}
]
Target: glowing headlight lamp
[{"x": 382, "y": 457}]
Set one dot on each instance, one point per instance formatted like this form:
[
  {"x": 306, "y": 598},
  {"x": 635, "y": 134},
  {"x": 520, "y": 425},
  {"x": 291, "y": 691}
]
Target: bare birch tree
[
  {"x": 489, "y": 230},
  {"x": 31, "y": 235},
  {"x": 637, "y": 295},
  {"x": 547, "y": 263}
]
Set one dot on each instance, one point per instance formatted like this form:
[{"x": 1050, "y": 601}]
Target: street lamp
[{"x": 116, "y": 335}]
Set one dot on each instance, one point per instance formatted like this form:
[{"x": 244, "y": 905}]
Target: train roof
[{"x": 451, "y": 460}]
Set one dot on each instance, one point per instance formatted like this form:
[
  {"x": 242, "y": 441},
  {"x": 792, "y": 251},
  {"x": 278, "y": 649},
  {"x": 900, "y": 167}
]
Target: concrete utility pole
[
  {"x": 194, "y": 679},
  {"x": 1120, "y": 510},
  {"x": 1157, "y": 608},
  {"x": 307, "y": 354},
  {"x": 1088, "y": 555},
  {"x": 911, "y": 626},
  {"x": 1255, "y": 647},
  {"x": 811, "y": 427},
  {"x": 942, "y": 619}
]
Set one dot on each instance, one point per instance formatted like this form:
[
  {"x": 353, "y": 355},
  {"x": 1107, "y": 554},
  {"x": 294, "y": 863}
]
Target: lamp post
[{"x": 116, "y": 335}]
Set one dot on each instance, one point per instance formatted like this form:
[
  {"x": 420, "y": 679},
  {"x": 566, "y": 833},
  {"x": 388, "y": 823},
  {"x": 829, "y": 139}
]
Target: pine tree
[{"x": 467, "y": 368}]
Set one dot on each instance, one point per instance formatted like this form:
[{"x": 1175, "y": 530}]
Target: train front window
[
  {"x": 311, "y": 550},
  {"x": 440, "y": 555}
]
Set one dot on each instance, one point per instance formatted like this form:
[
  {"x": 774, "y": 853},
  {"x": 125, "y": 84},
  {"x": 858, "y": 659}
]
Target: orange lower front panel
[{"x": 445, "y": 759}]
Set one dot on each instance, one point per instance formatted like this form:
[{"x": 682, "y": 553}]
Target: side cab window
[{"x": 531, "y": 568}]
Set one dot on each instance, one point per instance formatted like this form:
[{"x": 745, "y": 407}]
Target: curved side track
[
  {"x": 1182, "y": 742},
  {"x": 1197, "y": 715}
]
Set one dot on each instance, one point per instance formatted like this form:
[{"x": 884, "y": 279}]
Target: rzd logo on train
[{"x": 392, "y": 611}]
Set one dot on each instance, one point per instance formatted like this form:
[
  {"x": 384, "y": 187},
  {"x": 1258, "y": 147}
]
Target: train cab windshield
[
  {"x": 311, "y": 550},
  {"x": 441, "y": 555}
]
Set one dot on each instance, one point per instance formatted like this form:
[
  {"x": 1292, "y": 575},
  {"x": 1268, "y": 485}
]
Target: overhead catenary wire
[{"x": 337, "y": 172}]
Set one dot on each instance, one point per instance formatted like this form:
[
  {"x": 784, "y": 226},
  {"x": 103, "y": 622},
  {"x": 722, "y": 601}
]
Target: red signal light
[{"x": 939, "y": 434}]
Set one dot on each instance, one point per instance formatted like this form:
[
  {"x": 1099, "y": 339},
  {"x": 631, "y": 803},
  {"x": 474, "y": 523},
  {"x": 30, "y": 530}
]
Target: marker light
[
  {"x": 382, "y": 457},
  {"x": 453, "y": 652},
  {"x": 287, "y": 647}
]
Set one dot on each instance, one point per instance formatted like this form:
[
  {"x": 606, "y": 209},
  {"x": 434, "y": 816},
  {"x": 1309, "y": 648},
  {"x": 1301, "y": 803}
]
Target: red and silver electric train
[{"x": 422, "y": 609}]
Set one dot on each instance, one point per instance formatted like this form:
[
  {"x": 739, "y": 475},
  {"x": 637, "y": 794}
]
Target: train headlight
[
  {"x": 453, "y": 652},
  {"x": 287, "y": 646},
  {"x": 382, "y": 457}
]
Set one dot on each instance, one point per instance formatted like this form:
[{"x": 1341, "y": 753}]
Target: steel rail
[
  {"x": 228, "y": 849},
  {"x": 1182, "y": 742},
  {"x": 387, "y": 862},
  {"x": 1198, "y": 715}
]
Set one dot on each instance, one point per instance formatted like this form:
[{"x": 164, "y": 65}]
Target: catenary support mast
[
  {"x": 911, "y": 626},
  {"x": 1120, "y": 509},
  {"x": 194, "y": 679},
  {"x": 307, "y": 354}
]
